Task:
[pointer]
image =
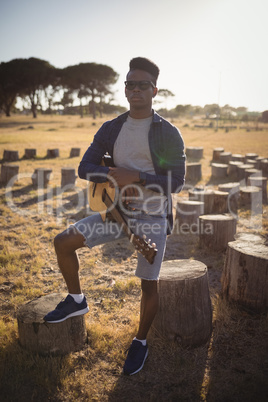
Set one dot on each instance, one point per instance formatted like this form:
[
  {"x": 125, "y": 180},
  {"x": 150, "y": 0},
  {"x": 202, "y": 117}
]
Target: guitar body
[
  {"x": 103, "y": 199},
  {"x": 95, "y": 191}
]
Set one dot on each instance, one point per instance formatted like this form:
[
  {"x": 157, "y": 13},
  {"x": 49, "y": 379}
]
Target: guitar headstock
[{"x": 144, "y": 247}]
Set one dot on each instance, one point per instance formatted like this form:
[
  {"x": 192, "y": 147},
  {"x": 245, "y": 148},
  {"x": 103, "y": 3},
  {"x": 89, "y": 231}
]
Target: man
[{"x": 149, "y": 160}]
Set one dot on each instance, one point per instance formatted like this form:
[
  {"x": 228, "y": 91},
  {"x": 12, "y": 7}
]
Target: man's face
[{"x": 137, "y": 97}]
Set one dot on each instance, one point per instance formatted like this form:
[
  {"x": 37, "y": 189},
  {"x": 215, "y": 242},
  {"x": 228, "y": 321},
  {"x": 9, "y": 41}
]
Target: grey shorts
[{"x": 97, "y": 232}]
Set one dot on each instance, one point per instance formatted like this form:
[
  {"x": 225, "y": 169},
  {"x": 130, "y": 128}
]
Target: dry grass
[{"x": 233, "y": 366}]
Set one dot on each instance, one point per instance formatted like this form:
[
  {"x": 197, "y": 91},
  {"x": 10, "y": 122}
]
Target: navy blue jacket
[{"x": 167, "y": 152}]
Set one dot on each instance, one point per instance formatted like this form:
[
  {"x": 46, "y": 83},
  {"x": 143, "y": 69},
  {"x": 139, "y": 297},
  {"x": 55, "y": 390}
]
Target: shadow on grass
[
  {"x": 170, "y": 373},
  {"x": 25, "y": 376},
  {"x": 238, "y": 359}
]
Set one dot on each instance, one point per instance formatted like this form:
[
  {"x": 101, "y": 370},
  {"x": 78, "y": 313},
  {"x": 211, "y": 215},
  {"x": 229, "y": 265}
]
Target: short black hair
[{"x": 141, "y": 63}]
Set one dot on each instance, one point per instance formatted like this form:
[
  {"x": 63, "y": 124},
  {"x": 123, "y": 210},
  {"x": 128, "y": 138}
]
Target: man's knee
[{"x": 69, "y": 240}]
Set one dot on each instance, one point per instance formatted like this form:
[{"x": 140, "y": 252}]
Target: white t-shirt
[{"x": 132, "y": 151}]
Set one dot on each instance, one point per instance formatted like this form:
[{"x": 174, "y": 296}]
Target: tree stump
[
  {"x": 251, "y": 156},
  {"x": 215, "y": 231},
  {"x": 216, "y": 153},
  {"x": 233, "y": 169},
  {"x": 187, "y": 213},
  {"x": 241, "y": 169},
  {"x": 193, "y": 172},
  {"x": 233, "y": 189},
  {"x": 251, "y": 198},
  {"x": 194, "y": 152},
  {"x": 258, "y": 160},
  {"x": 261, "y": 182},
  {"x": 264, "y": 167},
  {"x": 53, "y": 153},
  {"x": 8, "y": 172},
  {"x": 219, "y": 170},
  {"x": 251, "y": 172},
  {"x": 68, "y": 177},
  {"x": 229, "y": 187},
  {"x": 225, "y": 157},
  {"x": 29, "y": 153},
  {"x": 10, "y": 156},
  {"x": 245, "y": 274},
  {"x": 220, "y": 202},
  {"x": 41, "y": 177},
  {"x": 36, "y": 335},
  {"x": 74, "y": 152},
  {"x": 206, "y": 196},
  {"x": 184, "y": 313},
  {"x": 237, "y": 158},
  {"x": 251, "y": 162}
]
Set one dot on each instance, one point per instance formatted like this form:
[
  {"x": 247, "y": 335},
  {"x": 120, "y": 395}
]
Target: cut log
[
  {"x": 251, "y": 156},
  {"x": 264, "y": 167},
  {"x": 219, "y": 170},
  {"x": 41, "y": 177},
  {"x": 220, "y": 202},
  {"x": 74, "y": 152},
  {"x": 251, "y": 173},
  {"x": 245, "y": 274},
  {"x": 193, "y": 172},
  {"x": 229, "y": 187},
  {"x": 233, "y": 169},
  {"x": 261, "y": 182},
  {"x": 215, "y": 231},
  {"x": 258, "y": 160},
  {"x": 68, "y": 177},
  {"x": 29, "y": 153},
  {"x": 225, "y": 157},
  {"x": 184, "y": 313},
  {"x": 53, "y": 153},
  {"x": 8, "y": 172},
  {"x": 38, "y": 336},
  {"x": 234, "y": 190},
  {"x": 10, "y": 156},
  {"x": 187, "y": 213},
  {"x": 206, "y": 196},
  {"x": 194, "y": 152},
  {"x": 237, "y": 158},
  {"x": 251, "y": 198},
  {"x": 241, "y": 169},
  {"x": 251, "y": 162},
  {"x": 216, "y": 153}
]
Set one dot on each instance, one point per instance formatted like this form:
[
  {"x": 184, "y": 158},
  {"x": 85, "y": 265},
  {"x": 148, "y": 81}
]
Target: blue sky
[{"x": 208, "y": 51}]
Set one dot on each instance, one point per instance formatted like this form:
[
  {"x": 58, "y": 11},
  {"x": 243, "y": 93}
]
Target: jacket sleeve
[
  {"x": 89, "y": 167},
  {"x": 169, "y": 163}
]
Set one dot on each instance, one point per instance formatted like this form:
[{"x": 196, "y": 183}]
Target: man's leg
[
  {"x": 66, "y": 244},
  {"x": 149, "y": 307},
  {"x": 138, "y": 350}
]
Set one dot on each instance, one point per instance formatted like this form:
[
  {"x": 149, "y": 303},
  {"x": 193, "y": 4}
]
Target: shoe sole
[
  {"x": 75, "y": 314},
  {"x": 140, "y": 368}
]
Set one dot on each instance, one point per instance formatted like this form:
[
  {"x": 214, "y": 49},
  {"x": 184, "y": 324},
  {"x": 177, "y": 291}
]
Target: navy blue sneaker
[
  {"x": 137, "y": 354},
  {"x": 66, "y": 309}
]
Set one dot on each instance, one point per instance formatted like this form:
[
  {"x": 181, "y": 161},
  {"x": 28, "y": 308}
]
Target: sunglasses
[{"x": 142, "y": 85}]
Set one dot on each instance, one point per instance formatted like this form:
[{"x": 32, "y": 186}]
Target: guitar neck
[
  {"x": 147, "y": 250},
  {"x": 117, "y": 215}
]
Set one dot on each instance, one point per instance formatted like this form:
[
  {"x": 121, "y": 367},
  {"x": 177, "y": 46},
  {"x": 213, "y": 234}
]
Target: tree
[
  {"x": 9, "y": 84},
  {"x": 265, "y": 116},
  {"x": 165, "y": 93},
  {"x": 35, "y": 76},
  {"x": 89, "y": 80}
]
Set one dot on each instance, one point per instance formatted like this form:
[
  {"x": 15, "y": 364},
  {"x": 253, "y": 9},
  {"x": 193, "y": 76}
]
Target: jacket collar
[{"x": 156, "y": 117}]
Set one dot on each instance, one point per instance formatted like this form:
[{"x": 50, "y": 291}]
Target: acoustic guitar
[{"x": 102, "y": 198}]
